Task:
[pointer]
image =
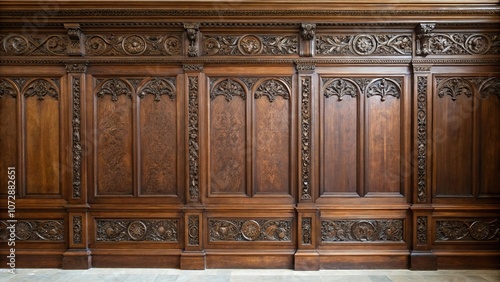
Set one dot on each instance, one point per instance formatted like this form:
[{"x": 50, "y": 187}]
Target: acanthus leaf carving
[
  {"x": 306, "y": 231},
  {"x": 459, "y": 43},
  {"x": 245, "y": 230},
  {"x": 249, "y": 45},
  {"x": 362, "y": 230},
  {"x": 41, "y": 88},
  {"x": 227, "y": 88},
  {"x": 422, "y": 230},
  {"x": 35, "y": 230},
  {"x": 305, "y": 137},
  {"x": 77, "y": 146},
  {"x": 272, "y": 88},
  {"x": 114, "y": 87},
  {"x": 484, "y": 229},
  {"x": 490, "y": 87},
  {"x": 383, "y": 87},
  {"x": 421, "y": 139},
  {"x": 340, "y": 87},
  {"x": 454, "y": 87},
  {"x": 158, "y": 87},
  {"x": 133, "y": 45},
  {"x": 193, "y": 138},
  {"x": 119, "y": 230},
  {"x": 77, "y": 229},
  {"x": 364, "y": 44}
]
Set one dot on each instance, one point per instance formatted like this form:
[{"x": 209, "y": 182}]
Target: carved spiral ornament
[{"x": 15, "y": 44}]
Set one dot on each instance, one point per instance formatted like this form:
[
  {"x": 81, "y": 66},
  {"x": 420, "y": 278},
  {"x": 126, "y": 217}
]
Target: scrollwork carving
[
  {"x": 362, "y": 230},
  {"x": 249, "y": 45},
  {"x": 485, "y": 229},
  {"x": 421, "y": 139},
  {"x": 272, "y": 88},
  {"x": 77, "y": 145},
  {"x": 364, "y": 44},
  {"x": 227, "y": 88},
  {"x": 36, "y": 230},
  {"x": 464, "y": 44},
  {"x": 306, "y": 231},
  {"x": 305, "y": 137},
  {"x": 77, "y": 229},
  {"x": 340, "y": 87},
  {"x": 158, "y": 87},
  {"x": 193, "y": 138},
  {"x": 118, "y": 230},
  {"x": 193, "y": 230},
  {"x": 25, "y": 45},
  {"x": 133, "y": 45},
  {"x": 249, "y": 230},
  {"x": 454, "y": 87},
  {"x": 422, "y": 230},
  {"x": 383, "y": 88},
  {"x": 41, "y": 88}
]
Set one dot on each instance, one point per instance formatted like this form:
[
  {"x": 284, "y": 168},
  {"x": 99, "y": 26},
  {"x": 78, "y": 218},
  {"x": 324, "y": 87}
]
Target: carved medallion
[
  {"x": 361, "y": 230},
  {"x": 250, "y": 45},
  {"x": 136, "y": 230},
  {"x": 485, "y": 229},
  {"x": 15, "y": 44},
  {"x": 193, "y": 230},
  {"x": 117, "y": 230},
  {"x": 249, "y": 230}
]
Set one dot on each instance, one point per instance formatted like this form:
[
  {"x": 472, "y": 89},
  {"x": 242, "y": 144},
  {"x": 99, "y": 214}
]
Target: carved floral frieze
[
  {"x": 484, "y": 229},
  {"x": 354, "y": 87},
  {"x": 364, "y": 44},
  {"x": 250, "y": 230},
  {"x": 117, "y": 230},
  {"x": 249, "y": 45},
  {"x": 34, "y": 230},
  {"x": 457, "y": 43},
  {"x": 455, "y": 87},
  {"x": 39, "y": 45},
  {"x": 362, "y": 230},
  {"x": 133, "y": 45}
]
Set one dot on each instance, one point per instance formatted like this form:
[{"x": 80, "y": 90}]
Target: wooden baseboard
[
  {"x": 423, "y": 261},
  {"x": 77, "y": 259},
  {"x": 306, "y": 260},
  {"x": 364, "y": 260},
  {"x": 251, "y": 259}
]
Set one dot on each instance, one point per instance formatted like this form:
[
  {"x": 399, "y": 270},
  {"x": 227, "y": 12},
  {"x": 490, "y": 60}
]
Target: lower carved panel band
[
  {"x": 33, "y": 230},
  {"x": 116, "y": 230},
  {"x": 468, "y": 230},
  {"x": 362, "y": 230},
  {"x": 250, "y": 230}
]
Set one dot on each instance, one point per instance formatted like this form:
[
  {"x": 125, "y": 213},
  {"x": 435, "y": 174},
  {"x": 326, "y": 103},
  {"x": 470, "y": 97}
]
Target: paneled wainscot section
[{"x": 254, "y": 137}]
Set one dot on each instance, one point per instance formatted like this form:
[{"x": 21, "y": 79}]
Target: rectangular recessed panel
[
  {"x": 490, "y": 146},
  {"x": 272, "y": 147},
  {"x": 227, "y": 145},
  {"x": 8, "y": 133}
]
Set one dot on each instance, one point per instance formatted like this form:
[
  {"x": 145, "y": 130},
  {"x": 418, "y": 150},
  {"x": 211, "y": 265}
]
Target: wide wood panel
[
  {"x": 489, "y": 166},
  {"x": 8, "y": 129},
  {"x": 42, "y": 137}
]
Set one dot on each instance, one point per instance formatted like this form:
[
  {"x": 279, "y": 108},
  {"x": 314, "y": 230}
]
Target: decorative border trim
[
  {"x": 305, "y": 83},
  {"x": 193, "y": 138},
  {"x": 421, "y": 139},
  {"x": 77, "y": 144}
]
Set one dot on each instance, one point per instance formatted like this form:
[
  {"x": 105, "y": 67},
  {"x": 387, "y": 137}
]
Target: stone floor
[{"x": 243, "y": 275}]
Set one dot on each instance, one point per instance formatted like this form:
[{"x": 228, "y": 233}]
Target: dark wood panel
[
  {"x": 452, "y": 153},
  {"x": 489, "y": 146},
  {"x": 340, "y": 137},
  {"x": 42, "y": 137},
  {"x": 158, "y": 133},
  {"x": 8, "y": 130},
  {"x": 383, "y": 145},
  {"x": 272, "y": 145},
  {"x": 228, "y": 145},
  {"x": 114, "y": 161}
]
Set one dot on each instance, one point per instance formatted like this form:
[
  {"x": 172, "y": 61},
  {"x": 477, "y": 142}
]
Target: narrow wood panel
[
  {"x": 490, "y": 146},
  {"x": 453, "y": 151},
  {"x": 8, "y": 139},
  {"x": 42, "y": 145},
  {"x": 158, "y": 129},
  {"x": 227, "y": 146},
  {"x": 383, "y": 139},
  {"x": 272, "y": 147},
  {"x": 340, "y": 145},
  {"x": 114, "y": 146}
]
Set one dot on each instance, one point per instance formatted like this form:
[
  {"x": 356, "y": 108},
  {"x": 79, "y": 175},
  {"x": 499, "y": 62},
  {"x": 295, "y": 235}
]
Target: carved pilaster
[
  {"x": 192, "y": 36},
  {"x": 424, "y": 33},
  {"x": 76, "y": 44}
]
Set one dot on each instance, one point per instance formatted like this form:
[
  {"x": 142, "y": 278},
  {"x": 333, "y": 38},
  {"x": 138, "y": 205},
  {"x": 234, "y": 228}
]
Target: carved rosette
[
  {"x": 118, "y": 230},
  {"x": 364, "y": 44},
  {"x": 422, "y": 230},
  {"x": 249, "y": 45},
  {"x": 77, "y": 144},
  {"x": 250, "y": 230},
  {"x": 306, "y": 231},
  {"x": 485, "y": 229},
  {"x": 362, "y": 230},
  {"x": 77, "y": 229},
  {"x": 35, "y": 230},
  {"x": 227, "y": 88},
  {"x": 40, "y": 45},
  {"x": 7, "y": 88},
  {"x": 193, "y": 138},
  {"x": 272, "y": 88},
  {"x": 133, "y": 45},
  {"x": 114, "y": 87},
  {"x": 421, "y": 139},
  {"x": 306, "y": 137},
  {"x": 41, "y": 88},
  {"x": 158, "y": 87},
  {"x": 193, "y": 230}
]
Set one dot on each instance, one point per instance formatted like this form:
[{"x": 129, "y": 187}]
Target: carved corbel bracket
[
  {"x": 192, "y": 35},
  {"x": 76, "y": 46},
  {"x": 424, "y": 33},
  {"x": 308, "y": 34}
]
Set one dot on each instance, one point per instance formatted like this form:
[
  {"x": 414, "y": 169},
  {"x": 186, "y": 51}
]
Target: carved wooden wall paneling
[{"x": 307, "y": 138}]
